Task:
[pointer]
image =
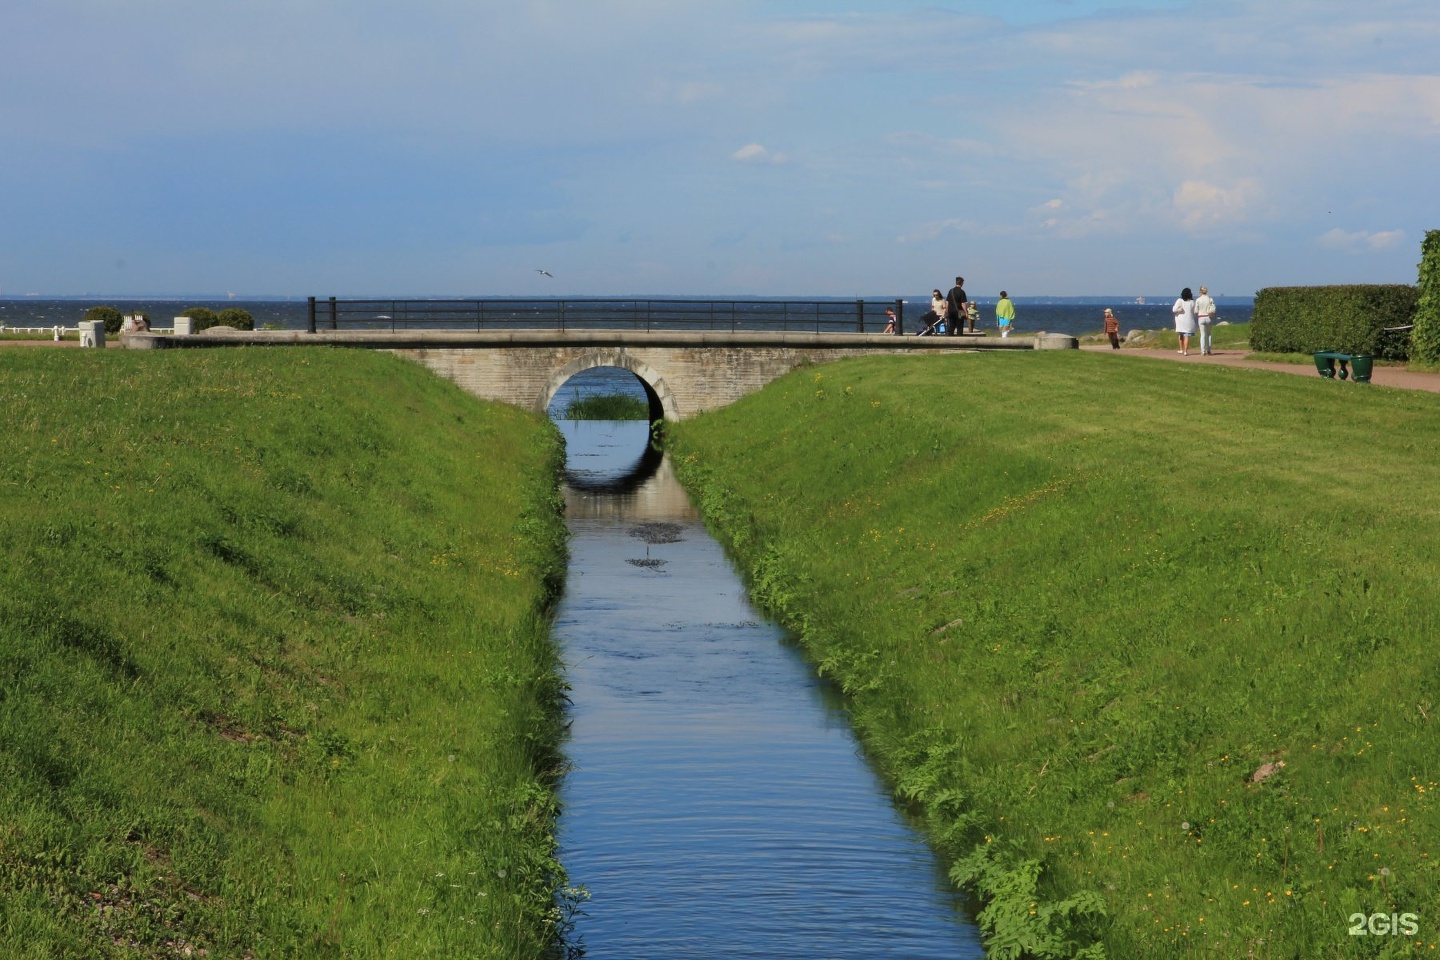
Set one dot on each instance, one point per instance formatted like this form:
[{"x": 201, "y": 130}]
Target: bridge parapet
[{"x": 685, "y": 372}]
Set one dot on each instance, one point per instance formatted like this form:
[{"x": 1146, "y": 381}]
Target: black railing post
[
  {"x": 859, "y": 316},
  {"x": 310, "y": 313},
  {"x": 899, "y": 317},
  {"x": 562, "y": 316},
  {"x": 333, "y": 324}
]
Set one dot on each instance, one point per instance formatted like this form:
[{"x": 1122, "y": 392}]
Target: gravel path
[{"x": 1380, "y": 376}]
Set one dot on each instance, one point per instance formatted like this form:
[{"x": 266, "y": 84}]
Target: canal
[{"x": 718, "y": 804}]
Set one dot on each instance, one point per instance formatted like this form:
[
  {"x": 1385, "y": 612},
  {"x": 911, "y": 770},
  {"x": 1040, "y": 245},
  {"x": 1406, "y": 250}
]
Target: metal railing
[{"x": 818, "y": 316}]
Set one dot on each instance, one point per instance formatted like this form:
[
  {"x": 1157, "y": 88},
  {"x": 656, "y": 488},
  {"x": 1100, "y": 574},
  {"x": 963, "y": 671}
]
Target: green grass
[
  {"x": 24, "y": 335},
  {"x": 607, "y": 406},
  {"x": 275, "y": 678},
  {"x": 1077, "y": 612},
  {"x": 1230, "y": 336}
]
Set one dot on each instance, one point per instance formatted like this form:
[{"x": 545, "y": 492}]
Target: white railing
[{"x": 59, "y": 331}]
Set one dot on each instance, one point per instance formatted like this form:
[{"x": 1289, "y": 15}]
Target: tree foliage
[
  {"x": 108, "y": 315},
  {"x": 1427, "y": 311}
]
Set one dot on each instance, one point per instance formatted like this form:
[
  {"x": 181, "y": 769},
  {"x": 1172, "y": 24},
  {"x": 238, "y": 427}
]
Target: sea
[{"x": 1077, "y": 316}]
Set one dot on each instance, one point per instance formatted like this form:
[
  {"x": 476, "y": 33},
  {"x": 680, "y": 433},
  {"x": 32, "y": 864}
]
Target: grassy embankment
[
  {"x": 1152, "y": 646},
  {"x": 275, "y": 678}
]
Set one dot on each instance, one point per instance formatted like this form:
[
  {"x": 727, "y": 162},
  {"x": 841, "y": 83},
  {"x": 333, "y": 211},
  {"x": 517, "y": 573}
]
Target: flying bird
[{"x": 545, "y": 272}]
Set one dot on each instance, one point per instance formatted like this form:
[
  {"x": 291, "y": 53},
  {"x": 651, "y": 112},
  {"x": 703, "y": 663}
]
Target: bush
[
  {"x": 108, "y": 315},
  {"x": 201, "y": 318},
  {"x": 1350, "y": 319},
  {"x": 235, "y": 317},
  {"x": 1427, "y": 311}
]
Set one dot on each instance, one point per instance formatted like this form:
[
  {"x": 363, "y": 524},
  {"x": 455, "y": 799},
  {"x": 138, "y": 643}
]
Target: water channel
[{"x": 718, "y": 804}]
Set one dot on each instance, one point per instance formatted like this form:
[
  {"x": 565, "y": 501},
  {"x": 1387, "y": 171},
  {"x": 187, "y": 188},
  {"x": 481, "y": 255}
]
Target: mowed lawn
[
  {"x": 1155, "y": 648},
  {"x": 275, "y": 678}
]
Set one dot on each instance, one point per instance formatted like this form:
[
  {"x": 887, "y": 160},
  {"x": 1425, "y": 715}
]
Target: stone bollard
[
  {"x": 92, "y": 333},
  {"x": 184, "y": 326},
  {"x": 1056, "y": 341}
]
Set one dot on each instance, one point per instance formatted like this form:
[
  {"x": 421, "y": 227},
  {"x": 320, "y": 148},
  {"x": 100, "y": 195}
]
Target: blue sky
[{"x": 779, "y": 148}]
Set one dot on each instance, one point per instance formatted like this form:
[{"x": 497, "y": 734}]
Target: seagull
[{"x": 545, "y": 272}]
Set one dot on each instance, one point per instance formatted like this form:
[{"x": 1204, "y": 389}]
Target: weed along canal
[{"x": 717, "y": 805}]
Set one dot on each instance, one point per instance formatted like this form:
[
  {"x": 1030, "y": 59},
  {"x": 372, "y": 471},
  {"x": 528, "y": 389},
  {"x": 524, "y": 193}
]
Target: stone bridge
[{"x": 684, "y": 373}]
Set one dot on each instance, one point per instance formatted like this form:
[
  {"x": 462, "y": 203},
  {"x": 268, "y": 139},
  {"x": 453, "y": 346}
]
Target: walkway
[{"x": 1380, "y": 376}]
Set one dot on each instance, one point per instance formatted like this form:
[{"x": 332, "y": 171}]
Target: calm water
[
  {"x": 1073, "y": 315},
  {"x": 718, "y": 805}
]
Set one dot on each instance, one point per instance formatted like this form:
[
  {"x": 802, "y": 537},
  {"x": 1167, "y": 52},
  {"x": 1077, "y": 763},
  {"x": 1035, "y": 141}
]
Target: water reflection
[{"x": 718, "y": 806}]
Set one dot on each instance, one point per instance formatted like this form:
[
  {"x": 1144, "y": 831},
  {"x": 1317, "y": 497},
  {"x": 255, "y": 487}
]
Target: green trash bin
[{"x": 1360, "y": 368}]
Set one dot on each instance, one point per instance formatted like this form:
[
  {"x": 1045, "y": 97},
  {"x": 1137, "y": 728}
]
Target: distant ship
[{"x": 1140, "y": 301}]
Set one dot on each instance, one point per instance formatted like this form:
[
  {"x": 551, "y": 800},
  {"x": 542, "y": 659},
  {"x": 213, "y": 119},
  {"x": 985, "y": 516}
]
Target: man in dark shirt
[{"x": 958, "y": 308}]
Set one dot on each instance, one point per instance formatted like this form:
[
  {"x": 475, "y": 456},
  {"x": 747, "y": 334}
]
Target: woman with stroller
[{"x": 933, "y": 322}]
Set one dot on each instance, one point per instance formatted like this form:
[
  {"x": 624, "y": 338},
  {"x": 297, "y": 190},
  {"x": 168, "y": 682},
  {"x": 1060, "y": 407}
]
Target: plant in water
[{"x": 607, "y": 406}]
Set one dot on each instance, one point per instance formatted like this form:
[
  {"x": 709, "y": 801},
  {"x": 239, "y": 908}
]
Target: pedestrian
[
  {"x": 959, "y": 305},
  {"x": 1205, "y": 316},
  {"x": 933, "y": 322},
  {"x": 1004, "y": 314},
  {"x": 972, "y": 315},
  {"x": 1184, "y": 310},
  {"x": 1112, "y": 328},
  {"x": 891, "y": 322}
]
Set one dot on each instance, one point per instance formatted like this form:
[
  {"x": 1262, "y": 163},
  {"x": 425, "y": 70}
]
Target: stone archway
[{"x": 662, "y": 401}]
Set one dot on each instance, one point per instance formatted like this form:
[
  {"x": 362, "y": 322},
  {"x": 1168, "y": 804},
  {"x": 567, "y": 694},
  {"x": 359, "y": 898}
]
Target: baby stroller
[{"x": 932, "y": 324}]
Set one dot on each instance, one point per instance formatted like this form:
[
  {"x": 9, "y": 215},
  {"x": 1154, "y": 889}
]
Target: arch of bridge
[{"x": 662, "y": 399}]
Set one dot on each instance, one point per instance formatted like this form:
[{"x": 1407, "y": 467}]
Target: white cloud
[
  {"x": 1201, "y": 205},
  {"x": 1338, "y": 239},
  {"x": 758, "y": 153}
]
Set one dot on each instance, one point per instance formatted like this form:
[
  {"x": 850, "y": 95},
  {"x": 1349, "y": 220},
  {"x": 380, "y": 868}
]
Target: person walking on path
[
  {"x": 891, "y": 322},
  {"x": 1205, "y": 315},
  {"x": 1112, "y": 328},
  {"x": 959, "y": 305},
  {"x": 1004, "y": 314},
  {"x": 1184, "y": 310}
]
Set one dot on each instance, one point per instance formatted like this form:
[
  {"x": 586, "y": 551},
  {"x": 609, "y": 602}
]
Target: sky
[{"x": 714, "y": 147}]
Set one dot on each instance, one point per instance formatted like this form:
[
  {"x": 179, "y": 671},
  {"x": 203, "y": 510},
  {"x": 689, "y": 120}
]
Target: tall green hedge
[
  {"x": 1427, "y": 311},
  {"x": 108, "y": 315},
  {"x": 1350, "y": 318}
]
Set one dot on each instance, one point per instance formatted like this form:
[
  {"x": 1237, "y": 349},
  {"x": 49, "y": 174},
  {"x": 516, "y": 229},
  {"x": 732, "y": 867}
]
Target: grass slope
[
  {"x": 274, "y": 672},
  {"x": 1152, "y": 646}
]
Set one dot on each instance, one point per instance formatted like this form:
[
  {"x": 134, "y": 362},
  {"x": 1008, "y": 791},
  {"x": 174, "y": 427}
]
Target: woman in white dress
[{"x": 1184, "y": 311}]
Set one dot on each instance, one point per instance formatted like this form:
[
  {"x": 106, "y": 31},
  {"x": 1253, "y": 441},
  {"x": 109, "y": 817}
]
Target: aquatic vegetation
[{"x": 607, "y": 406}]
